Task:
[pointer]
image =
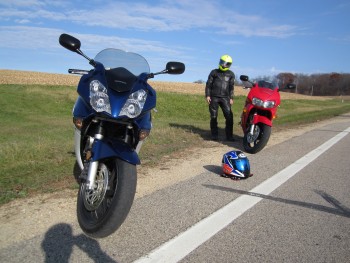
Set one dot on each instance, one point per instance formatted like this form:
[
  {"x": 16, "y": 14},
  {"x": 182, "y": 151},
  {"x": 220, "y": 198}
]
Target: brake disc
[{"x": 93, "y": 198}]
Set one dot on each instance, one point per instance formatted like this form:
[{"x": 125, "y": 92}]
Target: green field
[{"x": 36, "y": 132}]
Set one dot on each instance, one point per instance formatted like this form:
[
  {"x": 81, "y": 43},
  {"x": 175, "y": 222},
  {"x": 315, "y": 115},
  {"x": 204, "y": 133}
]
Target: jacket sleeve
[
  {"x": 232, "y": 86},
  {"x": 209, "y": 83}
]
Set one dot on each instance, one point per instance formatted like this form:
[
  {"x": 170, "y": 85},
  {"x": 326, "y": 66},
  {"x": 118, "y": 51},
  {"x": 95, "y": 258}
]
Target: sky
[{"x": 263, "y": 37}]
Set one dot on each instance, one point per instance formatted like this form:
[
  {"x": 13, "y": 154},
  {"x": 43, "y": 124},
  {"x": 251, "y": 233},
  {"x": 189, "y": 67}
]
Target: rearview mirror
[
  {"x": 244, "y": 78},
  {"x": 69, "y": 42},
  {"x": 290, "y": 86},
  {"x": 175, "y": 68}
]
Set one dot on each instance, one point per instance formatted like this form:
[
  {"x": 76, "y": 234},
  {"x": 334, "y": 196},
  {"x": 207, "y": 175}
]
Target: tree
[{"x": 285, "y": 78}]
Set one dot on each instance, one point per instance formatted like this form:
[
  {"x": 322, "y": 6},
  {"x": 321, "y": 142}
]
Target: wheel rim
[{"x": 93, "y": 198}]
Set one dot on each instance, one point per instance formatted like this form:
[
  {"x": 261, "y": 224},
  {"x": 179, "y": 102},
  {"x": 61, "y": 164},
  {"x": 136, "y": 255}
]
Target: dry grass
[{"x": 31, "y": 77}]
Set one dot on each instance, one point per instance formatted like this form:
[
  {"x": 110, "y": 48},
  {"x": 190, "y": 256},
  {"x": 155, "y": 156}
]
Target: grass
[
  {"x": 294, "y": 112},
  {"x": 36, "y": 132}
]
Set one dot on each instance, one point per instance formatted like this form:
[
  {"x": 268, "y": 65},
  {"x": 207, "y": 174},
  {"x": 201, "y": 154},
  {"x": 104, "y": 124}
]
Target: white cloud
[
  {"x": 342, "y": 39},
  {"x": 167, "y": 16},
  {"x": 22, "y": 21},
  {"x": 22, "y": 3},
  {"x": 26, "y": 37},
  {"x": 41, "y": 43}
]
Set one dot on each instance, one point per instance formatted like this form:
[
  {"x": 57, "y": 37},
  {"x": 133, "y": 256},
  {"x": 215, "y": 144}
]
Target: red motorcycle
[{"x": 258, "y": 113}]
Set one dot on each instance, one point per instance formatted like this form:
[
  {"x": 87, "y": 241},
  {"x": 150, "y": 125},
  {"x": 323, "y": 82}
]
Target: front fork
[
  {"x": 93, "y": 167},
  {"x": 252, "y": 127},
  {"x": 246, "y": 120},
  {"x": 251, "y": 131}
]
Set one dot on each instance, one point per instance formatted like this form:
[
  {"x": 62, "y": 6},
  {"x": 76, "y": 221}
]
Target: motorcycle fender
[
  {"x": 107, "y": 149},
  {"x": 262, "y": 119}
]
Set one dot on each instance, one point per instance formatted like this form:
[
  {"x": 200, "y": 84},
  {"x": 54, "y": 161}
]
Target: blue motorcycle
[{"x": 112, "y": 118}]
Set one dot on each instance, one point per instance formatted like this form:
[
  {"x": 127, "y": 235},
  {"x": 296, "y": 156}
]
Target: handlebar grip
[{"x": 78, "y": 71}]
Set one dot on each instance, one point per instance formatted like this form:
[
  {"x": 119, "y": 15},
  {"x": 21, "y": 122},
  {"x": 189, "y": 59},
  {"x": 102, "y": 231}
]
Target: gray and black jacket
[{"x": 220, "y": 84}]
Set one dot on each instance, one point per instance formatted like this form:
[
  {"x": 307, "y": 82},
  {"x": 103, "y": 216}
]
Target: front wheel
[
  {"x": 255, "y": 142},
  {"x": 103, "y": 209}
]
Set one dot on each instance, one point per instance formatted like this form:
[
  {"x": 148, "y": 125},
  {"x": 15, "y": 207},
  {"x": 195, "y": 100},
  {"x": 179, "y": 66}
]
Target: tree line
[{"x": 325, "y": 84}]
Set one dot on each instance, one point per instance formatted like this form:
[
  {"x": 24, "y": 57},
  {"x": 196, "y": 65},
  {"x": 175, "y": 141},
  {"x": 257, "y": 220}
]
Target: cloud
[
  {"x": 251, "y": 25},
  {"x": 27, "y": 37},
  {"x": 41, "y": 44},
  {"x": 259, "y": 72},
  {"x": 22, "y": 21},
  {"x": 343, "y": 39},
  {"x": 167, "y": 16},
  {"x": 22, "y": 3}
]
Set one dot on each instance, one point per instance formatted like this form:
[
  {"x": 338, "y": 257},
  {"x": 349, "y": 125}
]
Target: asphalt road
[{"x": 303, "y": 219}]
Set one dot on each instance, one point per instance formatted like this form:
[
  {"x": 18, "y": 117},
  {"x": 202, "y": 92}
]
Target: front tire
[
  {"x": 102, "y": 210},
  {"x": 256, "y": 142}
]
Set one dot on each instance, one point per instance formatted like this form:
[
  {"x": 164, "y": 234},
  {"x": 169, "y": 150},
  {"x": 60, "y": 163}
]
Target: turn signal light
[
  {"x": 143, "y": 134},
  {"x": 78, "y": 122}
]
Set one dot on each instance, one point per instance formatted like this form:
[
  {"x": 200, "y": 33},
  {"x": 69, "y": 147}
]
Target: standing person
[{"x": 219, "y": 92}]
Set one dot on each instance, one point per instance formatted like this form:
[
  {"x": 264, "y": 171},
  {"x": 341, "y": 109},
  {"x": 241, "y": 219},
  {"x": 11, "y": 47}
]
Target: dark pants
[{"x": 225, "y": 106}]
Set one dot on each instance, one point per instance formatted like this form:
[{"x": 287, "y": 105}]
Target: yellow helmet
[{"x": 225, "y": 63}]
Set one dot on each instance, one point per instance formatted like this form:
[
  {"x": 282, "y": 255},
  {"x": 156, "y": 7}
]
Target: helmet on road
[
  {"x": 225, "y": 63},
  {"x": 236, "y": 164}
]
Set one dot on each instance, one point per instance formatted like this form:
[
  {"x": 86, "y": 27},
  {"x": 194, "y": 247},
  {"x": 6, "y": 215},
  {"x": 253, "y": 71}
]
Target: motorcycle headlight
[
  {"x": 99, "y": 99},
  {"x": 265, "y": 104},
  {"x": 134, "y": 105}
]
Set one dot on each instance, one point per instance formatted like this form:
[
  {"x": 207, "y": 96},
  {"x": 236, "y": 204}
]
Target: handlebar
[{"x": 78, "y": 71}]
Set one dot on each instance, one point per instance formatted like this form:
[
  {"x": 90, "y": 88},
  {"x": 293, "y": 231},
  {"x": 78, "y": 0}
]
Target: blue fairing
[
  {"x": 145, "y": 122},
  {"x": 81, "y": 108},
  {"x": 110, "y": 147},
  {"x": 117, "y": 99},
  {"x": 103, "y": 149}
]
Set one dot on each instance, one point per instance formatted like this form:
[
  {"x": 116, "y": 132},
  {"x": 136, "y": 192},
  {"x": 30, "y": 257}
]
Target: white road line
[{"x": 177, "y": 248}]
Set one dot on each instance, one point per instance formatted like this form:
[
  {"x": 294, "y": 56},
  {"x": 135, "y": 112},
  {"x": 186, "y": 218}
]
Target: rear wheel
[
  {"x": 255, "y": 142},
  {"x": 102, "y": 210}
]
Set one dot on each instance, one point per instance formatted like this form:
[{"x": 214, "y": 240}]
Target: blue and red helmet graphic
[{"x": 236, "y": 163}]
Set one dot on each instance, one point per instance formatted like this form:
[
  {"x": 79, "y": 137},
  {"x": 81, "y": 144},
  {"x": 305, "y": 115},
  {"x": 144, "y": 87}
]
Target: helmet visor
[{"x": 225, "y": 64}]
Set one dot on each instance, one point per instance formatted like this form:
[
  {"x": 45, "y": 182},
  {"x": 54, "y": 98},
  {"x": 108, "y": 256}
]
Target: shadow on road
[
  {"x": 205, "y": 134},
  {"x": 337, "y": 209},
  {"x": 216, "y": 169},
  {"x": 59, "y": 241}
]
